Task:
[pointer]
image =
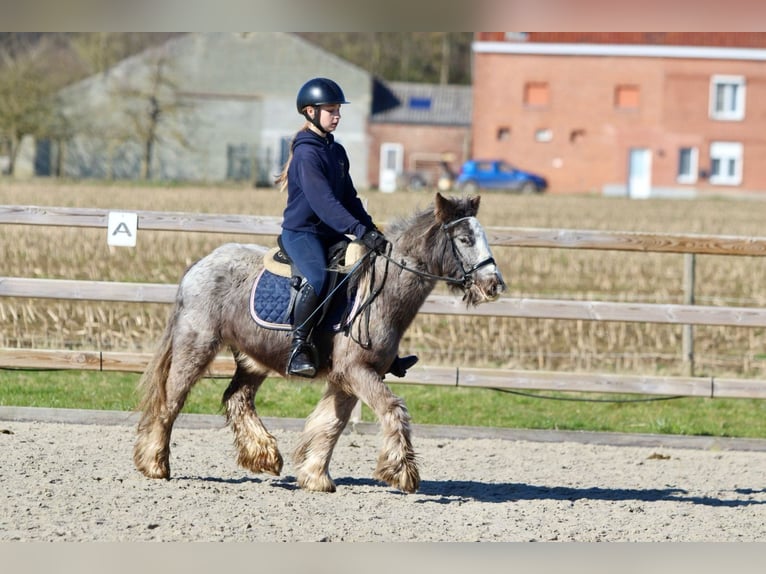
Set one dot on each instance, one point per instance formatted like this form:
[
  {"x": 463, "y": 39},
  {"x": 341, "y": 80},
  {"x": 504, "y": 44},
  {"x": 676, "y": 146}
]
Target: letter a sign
[{"x": 122, "y": 228}]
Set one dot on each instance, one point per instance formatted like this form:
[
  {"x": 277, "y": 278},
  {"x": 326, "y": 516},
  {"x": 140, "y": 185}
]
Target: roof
[{"x": 414, "y": 103}]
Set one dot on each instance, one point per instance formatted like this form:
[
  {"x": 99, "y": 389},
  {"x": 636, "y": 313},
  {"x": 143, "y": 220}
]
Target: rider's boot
[
  {"x": 400, "y": 365},
  {"x": 303, "y": 359}
]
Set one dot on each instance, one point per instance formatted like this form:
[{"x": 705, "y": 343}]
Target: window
[
  {"x": 687, "y": 165},
  {"x": 420, "y": 103},
  {"x": 239, "y": 162},
  {"x": 544, "y": 135},
  {"x": 626, "y": 97},
  {"x": 503, "y": 133},
  {"x": 726, "y": 163},
  {"x": 727, "y": 97},
  {"x": 536, "y": 94}
]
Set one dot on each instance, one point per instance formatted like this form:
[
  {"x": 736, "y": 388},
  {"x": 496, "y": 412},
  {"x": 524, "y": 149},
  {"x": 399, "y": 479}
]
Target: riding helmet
[{"x": 318, "y": 91}]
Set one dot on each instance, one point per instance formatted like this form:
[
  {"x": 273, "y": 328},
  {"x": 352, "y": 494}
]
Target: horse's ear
[
  {"x": 474, "y": 203},
  {"x": 443, "y": 209}
]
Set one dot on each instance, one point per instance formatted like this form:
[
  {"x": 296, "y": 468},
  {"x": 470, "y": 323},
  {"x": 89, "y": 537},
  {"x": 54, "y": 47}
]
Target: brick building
[
  {"x": 639, "y": 114},
  {"x": 417, "y": 131}
]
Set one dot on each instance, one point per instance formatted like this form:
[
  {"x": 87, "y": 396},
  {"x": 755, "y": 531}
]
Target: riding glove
[{"x": 374, "y": 240}]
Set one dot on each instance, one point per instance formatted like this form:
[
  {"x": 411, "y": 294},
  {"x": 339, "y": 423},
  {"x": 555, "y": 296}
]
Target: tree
[
  {"x": 152, "y": 105},
  {"x": 99, "y": 51},
  {"x": 27, "y": 100},
  {"x": 429, "y": 57}
]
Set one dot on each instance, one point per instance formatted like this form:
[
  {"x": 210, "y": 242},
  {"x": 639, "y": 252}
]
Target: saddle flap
[{"x": 354, "y": 252}]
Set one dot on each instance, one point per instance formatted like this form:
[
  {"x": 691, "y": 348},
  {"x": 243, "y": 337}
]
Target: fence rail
[
  {"x": 687, "y": 314},
  {"x": 223, "y": 366},
  {"x": 434, "y": 304},
  {"x": 505, "y": 236}
]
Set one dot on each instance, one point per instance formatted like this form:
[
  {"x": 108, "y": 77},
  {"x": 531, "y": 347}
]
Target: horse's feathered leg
[
  {"x": 185, "y": 352},
  {"x": 397, "y": 463},
  {"x": 320, "y": 434},
  {"x": 257, "y": 449}
]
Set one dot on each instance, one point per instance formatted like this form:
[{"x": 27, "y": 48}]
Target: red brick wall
[
  {"x": 417, "y": 140},
  {"x": 673, "y": 112}
]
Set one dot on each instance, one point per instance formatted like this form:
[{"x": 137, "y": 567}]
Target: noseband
[{"x": 467, "y": 280}]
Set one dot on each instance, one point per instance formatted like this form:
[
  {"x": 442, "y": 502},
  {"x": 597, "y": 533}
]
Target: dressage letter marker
[{"x": 122, "y": 229}]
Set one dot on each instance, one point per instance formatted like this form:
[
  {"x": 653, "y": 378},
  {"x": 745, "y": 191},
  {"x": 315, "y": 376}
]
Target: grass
[{"x": 427, "y": 404}]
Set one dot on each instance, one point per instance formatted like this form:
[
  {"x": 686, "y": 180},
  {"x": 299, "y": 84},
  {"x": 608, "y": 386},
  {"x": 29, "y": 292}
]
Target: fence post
[{"x": 688, "y": 330}]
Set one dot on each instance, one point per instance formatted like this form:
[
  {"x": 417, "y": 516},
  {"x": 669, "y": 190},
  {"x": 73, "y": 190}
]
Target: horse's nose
[{"x": 495, "y": 286}]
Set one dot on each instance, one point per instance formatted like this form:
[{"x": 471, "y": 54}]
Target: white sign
[{"x": 122, "y": 229}]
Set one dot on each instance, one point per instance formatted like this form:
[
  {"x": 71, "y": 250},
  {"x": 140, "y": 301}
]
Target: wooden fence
[{"x": 686, "y": 314}]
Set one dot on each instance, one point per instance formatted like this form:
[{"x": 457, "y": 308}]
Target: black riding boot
[
  {"x": 302, "y": 360},
  {"x": 400, "y": 365}
]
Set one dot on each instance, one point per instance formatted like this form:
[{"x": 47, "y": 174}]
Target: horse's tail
[{"x": 151, "y": 385}]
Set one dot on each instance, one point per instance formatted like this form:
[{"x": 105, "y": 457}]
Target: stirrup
[{"x": 303, "y": 354}]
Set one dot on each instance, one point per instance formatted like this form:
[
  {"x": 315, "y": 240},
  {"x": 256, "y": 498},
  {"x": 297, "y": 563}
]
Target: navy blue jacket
[{"x": 321, "y": 197}]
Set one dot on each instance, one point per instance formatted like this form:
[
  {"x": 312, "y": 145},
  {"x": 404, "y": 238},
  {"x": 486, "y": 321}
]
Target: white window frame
[
  {"x": 731, "y": 98},
  {"x": 690, "y": 177},
  {"x": 728, "y": 154}
]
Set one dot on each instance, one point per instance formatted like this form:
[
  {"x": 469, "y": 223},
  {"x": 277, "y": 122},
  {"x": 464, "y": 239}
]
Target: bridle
[{"x": 467, "y": 280}]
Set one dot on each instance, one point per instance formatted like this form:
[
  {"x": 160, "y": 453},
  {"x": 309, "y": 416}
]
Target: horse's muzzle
[
  {"x": 495, "y": 286},
  {"x": 487, "y": 286}
]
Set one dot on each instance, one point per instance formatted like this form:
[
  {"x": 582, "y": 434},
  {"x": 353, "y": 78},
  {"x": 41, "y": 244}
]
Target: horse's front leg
[
  {"x": 320, "y": 434},
  {"x": 397, "y": 464}
]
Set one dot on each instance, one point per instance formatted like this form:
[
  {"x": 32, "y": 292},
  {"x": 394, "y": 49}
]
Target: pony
[{"x": 444, "y": 242}]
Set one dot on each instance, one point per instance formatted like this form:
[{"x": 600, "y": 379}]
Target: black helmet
[{"x": 318, "y": 91}]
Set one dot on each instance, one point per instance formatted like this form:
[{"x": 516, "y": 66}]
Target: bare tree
[
  {"x": 152, "y": 106},
  {"x": 101, "y": 50},
  {"x": 26, "y": 99}
]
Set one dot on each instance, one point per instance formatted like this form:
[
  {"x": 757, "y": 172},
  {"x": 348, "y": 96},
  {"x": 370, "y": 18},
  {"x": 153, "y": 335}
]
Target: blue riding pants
[{"x": 309, "y": 254}]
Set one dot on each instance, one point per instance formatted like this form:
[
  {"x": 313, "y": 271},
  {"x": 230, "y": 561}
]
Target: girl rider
[{"x": 322, "y": 208}]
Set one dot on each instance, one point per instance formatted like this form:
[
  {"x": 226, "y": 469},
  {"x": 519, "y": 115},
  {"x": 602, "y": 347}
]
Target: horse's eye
[{"x": 464, "y": 239}]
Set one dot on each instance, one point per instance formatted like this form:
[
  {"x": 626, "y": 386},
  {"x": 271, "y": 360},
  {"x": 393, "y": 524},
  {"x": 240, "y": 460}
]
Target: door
[
  {"x": 640, "y": 173},
  {"x": 391, "y": 164}
]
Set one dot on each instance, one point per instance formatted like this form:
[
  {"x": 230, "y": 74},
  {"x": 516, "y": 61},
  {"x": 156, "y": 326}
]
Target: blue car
[{"x": 498, "y": 174}]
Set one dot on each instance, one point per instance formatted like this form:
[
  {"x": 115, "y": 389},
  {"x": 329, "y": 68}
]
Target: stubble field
[{"x": 161, "y": 257}]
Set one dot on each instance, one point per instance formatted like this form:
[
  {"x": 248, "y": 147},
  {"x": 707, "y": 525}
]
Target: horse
[{"x": 444, "y": 242}]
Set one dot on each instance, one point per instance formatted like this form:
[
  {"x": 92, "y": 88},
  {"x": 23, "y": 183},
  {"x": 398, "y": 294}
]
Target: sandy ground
[{"x": 63, "y": 480}]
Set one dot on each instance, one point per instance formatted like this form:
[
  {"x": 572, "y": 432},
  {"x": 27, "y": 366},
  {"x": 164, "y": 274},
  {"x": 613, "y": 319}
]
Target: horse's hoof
[
  {"x": 151, "y": 466},
  {"x": 406, "y": 479},
  {"x": 322, "y": 483},
  {"x": 154, "y": 470},
  {"x": 269, "y": 462}
]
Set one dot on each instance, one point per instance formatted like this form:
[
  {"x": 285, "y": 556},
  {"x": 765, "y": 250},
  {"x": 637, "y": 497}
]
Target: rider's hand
[{"x": 374, "y": 240}]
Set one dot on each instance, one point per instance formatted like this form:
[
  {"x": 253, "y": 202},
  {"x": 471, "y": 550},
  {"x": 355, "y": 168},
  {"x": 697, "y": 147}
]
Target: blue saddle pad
[
  {"x": 270, "y": 301},
  {"x": 270, "y": 304}
]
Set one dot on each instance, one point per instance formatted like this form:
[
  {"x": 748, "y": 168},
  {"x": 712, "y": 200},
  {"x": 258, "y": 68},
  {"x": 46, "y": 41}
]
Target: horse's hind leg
[
  {"x": 168, "y": 380},
  {"x": 257, "y": 449},
  {"x": 320, "y": 434}
]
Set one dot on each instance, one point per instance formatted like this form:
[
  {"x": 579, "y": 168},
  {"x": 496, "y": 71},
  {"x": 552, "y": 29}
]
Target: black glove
[{"x": 375, "y": 241}]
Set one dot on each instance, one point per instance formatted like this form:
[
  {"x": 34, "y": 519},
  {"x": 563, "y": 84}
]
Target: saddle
[{"x": 277, "y": 284}]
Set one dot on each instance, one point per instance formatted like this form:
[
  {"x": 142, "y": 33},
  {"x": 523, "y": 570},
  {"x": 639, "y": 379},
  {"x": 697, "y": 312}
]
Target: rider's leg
[
  {"x": 309, "y": 255},
  {"x": 305, "y": 314}
]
